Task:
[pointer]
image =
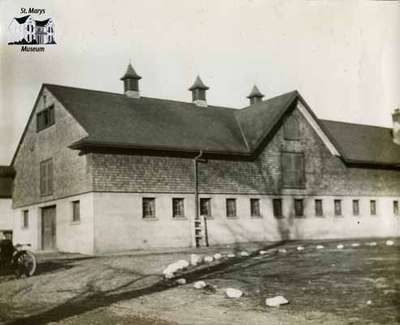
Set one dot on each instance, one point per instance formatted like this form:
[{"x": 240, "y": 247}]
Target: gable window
[
  {"x": 291, "y": 128},
  {"x": 338, "y": 207},
  {"x": 205, "y": 207},
  {"x": 178, "y": 208},
  {"x": 45, "y": 118},
  {"x": 231, "y": 208},
  {"x": 356, "y": 207},
  {"x": 298, "y": 208},
  {"x": 293, "y": 175},
  {"x": 372, "y": 205},
  {"x": 396, "y": 208},
  {"x": 76, "y": 211},
  {"x": 25, "y": 219},
  {"x": 277, "y": 208},
  {"x": 46, "y": 177},
  {"x": 319, "y": 212},
  {"x": 255, "y": 208},
  {"x": 149, "y": 207}
]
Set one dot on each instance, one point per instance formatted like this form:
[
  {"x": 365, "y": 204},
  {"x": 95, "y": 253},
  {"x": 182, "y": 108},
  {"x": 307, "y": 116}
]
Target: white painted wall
[
  {"x": 119, "y": 224},
  {"x": 6, "y": 214},
  {"x": 70, "y": 236}
]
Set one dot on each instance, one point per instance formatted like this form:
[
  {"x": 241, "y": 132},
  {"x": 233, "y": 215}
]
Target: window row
[
  {"x": 149, "y": 207},
  {"x": 178, "y": 208},
  {"x": 337, "y": 205}
]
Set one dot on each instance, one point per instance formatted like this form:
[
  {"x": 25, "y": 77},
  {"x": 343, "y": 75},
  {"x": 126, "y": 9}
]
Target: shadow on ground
[{"x": 91, "y": 298}]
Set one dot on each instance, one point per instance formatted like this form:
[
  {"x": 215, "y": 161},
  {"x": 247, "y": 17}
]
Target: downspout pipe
[
  {"x": 196, "y": 184},
  {"x": 196, "y": 192}
]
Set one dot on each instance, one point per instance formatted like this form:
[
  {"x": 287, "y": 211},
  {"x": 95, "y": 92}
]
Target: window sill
[
  {"x": 150, "y": 219},
  {"x": 24, "y": 228},
  {"x": 256, "y": 217},
  {"x": 75, "y": 223},
  {"x": 180, "y": 218},
  {"x": 232, "y": 218}
]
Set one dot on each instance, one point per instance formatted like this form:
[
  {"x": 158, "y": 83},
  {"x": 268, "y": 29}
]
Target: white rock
[
  {"x": 282, "y": 250},
  {"x": 262, "y": 252},
  {"x": 372, "y": 244},
  {"x": 389, "y": 242},
  {"x": 233, "y": 293},
  {"x": 276, "y": 301},
  {"x": 340, "y": 246},
  {"x": 175, "y": 267},
  {"x": 199, "y": 285},
  {"x": 231, "y": 255},
  {"x": 244, "y": 253},
  {"x": 208, "y": 259},
  {"x": 300, "y": 248},
  {"x": 181, "y": 281},
  {"x": 369, "y": 302},
  {"x": 355, "y": 245},
  {"x": 217, "y": 256},
  {"x": 195, "y": 259},
  {"x": 320, "y": 247},
  {"x": 168, "y": 275}
]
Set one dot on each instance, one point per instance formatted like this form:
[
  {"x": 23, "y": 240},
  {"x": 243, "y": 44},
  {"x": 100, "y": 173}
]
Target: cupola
[
  {"x": 131, "y": 82},
  {"x": 255, "y": 95},
  {"x": 198, "y": 90}
]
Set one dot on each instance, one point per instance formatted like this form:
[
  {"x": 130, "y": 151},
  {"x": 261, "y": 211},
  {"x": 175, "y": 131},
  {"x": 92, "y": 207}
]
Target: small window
[
  {"x": 277, "y": 208},
  {"x": 149, "y": 208},
  {"x": 291, "y": 129},
  {"x": 396, "y": 208},
  {"x": 356, "y": 207},
  {"x": 25, "y": 219},
  {"x": 178, "y": 208},
  {"x": 231, "y": 208},
  {"x": 255, "y": 208},
  {"x": 298, "y": 208},
  {"x": 372, "y": 205},
  {"x": 45, "y": 118},
  {"x": 76, "y": 211},
  {"x": 319, "y": 212},
  {"x": 338, "y": 207},
  {"x": 205, "y": 207},
  {"x": 46, "y": 177}
]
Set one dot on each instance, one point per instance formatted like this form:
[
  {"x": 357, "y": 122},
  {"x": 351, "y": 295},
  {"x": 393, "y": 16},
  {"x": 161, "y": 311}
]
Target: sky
[{"x": 342, "y": 55}]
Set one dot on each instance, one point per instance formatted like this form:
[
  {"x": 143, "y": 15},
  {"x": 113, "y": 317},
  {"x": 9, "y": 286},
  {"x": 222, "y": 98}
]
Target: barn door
[{"x": 49, "y": 228}]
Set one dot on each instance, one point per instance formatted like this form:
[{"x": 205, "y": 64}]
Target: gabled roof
[
  {"x": 116, "y": 121},
  {"x": 22, "y": 20},
  {"x": 42, "y": 23},
  {"x": 364, "y": 144}
]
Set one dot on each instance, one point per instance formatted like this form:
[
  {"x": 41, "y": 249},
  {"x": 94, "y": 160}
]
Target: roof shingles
[{"x": 116, "y": 120}]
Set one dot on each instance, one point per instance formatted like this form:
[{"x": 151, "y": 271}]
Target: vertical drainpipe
[{"x": 196, "y": 190}]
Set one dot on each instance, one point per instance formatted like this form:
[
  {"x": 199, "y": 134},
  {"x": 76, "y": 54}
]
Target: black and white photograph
[{"x": 209, "y": 162}]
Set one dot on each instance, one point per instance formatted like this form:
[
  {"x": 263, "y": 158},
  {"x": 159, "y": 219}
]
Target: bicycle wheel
[{"x": 26, "y": 263}]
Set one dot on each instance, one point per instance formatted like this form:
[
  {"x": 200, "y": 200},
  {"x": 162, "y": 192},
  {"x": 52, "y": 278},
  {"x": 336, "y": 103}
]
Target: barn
[{"x": 101, "y": 172}]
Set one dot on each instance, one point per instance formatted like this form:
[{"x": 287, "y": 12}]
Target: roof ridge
[{"x": 120, "y": 94}]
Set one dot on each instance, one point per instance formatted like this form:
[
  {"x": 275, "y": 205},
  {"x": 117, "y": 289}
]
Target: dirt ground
[{"x": 353, "y": 285}]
